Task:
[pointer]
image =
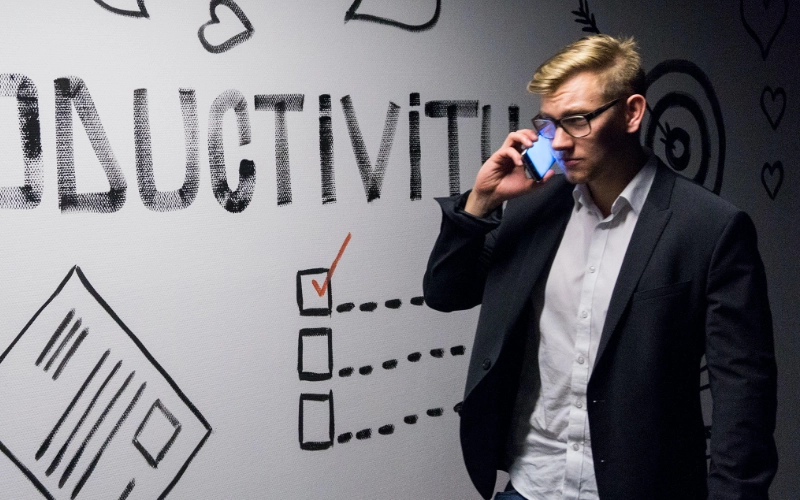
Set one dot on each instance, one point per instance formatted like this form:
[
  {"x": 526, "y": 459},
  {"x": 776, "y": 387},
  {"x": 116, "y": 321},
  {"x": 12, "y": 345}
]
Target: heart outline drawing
[
  {"x": 774, "y": 95},
  {"x": 353, "y": 15},
  {"x": 232, "y": 41},
  {"x": 142, "y": 12},
  {"x": 750, "y": 31},
  {"x": 770, "y": 169}
]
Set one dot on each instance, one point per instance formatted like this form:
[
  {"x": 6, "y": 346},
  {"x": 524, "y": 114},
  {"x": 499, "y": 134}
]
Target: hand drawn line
[
  {"x": 391, "y": 364},
  {"x": 372, "y": 306},
  {"x": 142, "y": 12},
  {"x": 352, "y": 14},
  {"x": 388, "y": 429},
  {"x": 234, "y": 40},
  {"x": 322, "y": 289}
]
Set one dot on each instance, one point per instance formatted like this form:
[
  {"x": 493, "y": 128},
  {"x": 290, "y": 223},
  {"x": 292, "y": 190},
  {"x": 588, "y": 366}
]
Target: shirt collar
[{"x": 633, "y": 195}]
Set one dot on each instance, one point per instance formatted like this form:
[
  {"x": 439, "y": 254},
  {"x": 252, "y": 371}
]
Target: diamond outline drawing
[{"x": 202, "y": 429}]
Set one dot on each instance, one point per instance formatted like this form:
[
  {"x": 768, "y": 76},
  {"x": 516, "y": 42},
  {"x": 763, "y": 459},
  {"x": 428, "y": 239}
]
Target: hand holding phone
[{"x": 538, "y": 159}]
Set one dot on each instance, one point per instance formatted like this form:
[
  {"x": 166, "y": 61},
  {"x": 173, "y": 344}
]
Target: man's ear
[{"x": 634, "y": 112}]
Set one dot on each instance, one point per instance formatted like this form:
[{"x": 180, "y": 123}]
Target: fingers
[{"x": 521, "y": 139}]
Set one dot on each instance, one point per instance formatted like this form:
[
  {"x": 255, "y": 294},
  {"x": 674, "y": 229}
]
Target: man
[{"x": 601, "y": 291}]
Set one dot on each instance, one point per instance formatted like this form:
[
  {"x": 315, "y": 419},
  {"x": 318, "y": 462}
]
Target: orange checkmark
[{"x": 322, "y": 289}]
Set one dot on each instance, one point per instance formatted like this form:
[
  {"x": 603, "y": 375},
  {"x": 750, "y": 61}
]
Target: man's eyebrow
[{"x": 569, "y": 112}]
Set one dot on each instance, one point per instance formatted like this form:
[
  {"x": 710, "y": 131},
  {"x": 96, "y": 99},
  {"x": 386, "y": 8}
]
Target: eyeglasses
[{"x": 576, "y": 125}]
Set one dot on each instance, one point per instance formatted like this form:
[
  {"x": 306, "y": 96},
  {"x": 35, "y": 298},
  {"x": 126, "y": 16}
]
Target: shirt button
[
  {"x": 592, "y": 269},
  {"x": 579, "y": 404},
  {"x": 584, "y": 314},
  {"x": 487, "y": 363},
  {"x": 581, "y": 360},
  {"x": 576, "y": 447}
]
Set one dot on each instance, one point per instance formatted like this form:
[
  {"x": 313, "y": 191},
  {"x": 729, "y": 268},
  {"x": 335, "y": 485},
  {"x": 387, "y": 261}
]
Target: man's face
[{"x": 590, "y": 158}]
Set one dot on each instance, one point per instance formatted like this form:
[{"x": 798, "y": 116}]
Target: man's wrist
[{"x": 479, "y": 206}]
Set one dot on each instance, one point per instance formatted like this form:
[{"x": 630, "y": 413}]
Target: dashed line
[
  {"x": 372, "y": 306},
  {"x": 391, "y": 364},
  {"x": 388, "y": 429}
]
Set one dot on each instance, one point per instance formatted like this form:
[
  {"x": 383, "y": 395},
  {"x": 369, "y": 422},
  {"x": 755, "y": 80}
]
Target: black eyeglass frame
[{"x": 557, "y": 122}]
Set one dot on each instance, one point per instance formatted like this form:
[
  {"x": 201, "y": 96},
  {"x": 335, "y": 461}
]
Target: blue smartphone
[{"x": 538, "y": 159}]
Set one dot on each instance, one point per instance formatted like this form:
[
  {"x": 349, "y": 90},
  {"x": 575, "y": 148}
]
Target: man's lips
[{"x": 569, "y": 162}]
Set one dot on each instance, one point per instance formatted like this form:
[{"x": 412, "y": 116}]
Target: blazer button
[{"x": 487, "y": 363}]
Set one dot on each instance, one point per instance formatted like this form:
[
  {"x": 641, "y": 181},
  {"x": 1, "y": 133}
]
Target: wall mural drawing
[
  {"x": 140, "y": 12},
  {"x": 165, "y": 201},
  {"x": 353, "y": 14},
  {"x": 679, "y": 121},
  {"x": 763, "y": 20},
  {"x": 773, "y": 104},
  {"x": 316, "y": 350},
  {"x": 233, "y": 41},
  {"x": 585, "y": 17},
  {"x": 147, "y": 429},
  {"x": 772, "y": 178},
  {"x": 29, "y": 195}
]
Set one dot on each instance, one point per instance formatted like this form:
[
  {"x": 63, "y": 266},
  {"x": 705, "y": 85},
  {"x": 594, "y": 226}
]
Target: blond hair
[{"x": 615, "y": 60}]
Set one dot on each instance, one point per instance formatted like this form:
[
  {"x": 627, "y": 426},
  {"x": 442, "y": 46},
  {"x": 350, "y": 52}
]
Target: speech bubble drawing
[
  {"x": 141, "y": 12},
  {"x": 352, "y": 14}
]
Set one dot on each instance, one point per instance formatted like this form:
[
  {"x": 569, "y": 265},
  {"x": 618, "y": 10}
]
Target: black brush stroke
[
  {"x": 750, "y": 31},
  {"x": 371, "y": 178},
  {"x": 153, "y": 199},
  {"x": 78, "y": 454},
  {"x": 72, "y": 92},
  {"x": 486, "y": 133},
  {"x": 693, "y": 71},
  {"x": 314, "y": 332},
  {"x": 777, "y": 166},
  {"x": 280, "y": 104},
  {"x": 75, "y": 270},
  {"x": 127, "y": 491},
  {"x": 176, "y": 426},
  {"x": 192, "y": 408},
  {"x": 88, "y": 472},
  {"x": 57, "y": 459},
  {"x": 414, "y": 148},
  {"x": 417, "y": 301},
  {"x": 142, "y": 12},
  {"x": 29, "y": 195},
  {"x": 326, "y": 150},
  {"x": 386, "y": 430},
  {"x": 64, "y": 342},
  {"x": 70, "y": 352},
  {"x": 513, "y": 118},
  {"x": 317, "y": 445},
  {"x": 778, "y": 92},
  {"x": 452, "y": 110},
  {"x": 352, "y": 15},
  {"x": 233, "y": 201},
  {"x": 232, "y": 41},
  {"x": 49, "y": 439},
  {"x": 55, "y": 336},
  {"x": 585, "y": 17}
]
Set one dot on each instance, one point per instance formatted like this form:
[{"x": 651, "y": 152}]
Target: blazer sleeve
[
  {"x": 458, "y": 264},
  {"x": 741, "y": 365}
]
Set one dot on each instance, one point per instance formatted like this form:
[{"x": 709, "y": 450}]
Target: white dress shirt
[{"x": 552, "y": 455}]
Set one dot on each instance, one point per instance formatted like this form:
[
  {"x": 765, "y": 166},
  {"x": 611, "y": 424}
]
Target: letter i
[{"x": 414, "y": 147}]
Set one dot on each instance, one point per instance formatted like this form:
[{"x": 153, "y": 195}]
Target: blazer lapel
[{"x": 652, "y": 220}]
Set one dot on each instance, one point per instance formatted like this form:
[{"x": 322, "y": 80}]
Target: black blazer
[{"x": 691, "y": 284}]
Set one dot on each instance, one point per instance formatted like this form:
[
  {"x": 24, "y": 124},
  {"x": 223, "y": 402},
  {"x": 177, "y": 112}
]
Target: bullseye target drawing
[{"x": 684, "y": 124}]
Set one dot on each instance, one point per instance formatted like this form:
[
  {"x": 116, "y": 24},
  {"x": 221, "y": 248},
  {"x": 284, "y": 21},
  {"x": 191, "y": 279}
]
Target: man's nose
[{"x": 561, "y": 140}]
